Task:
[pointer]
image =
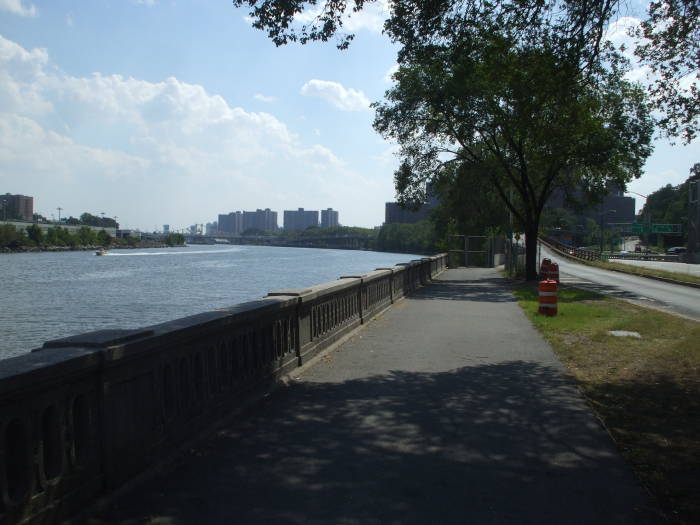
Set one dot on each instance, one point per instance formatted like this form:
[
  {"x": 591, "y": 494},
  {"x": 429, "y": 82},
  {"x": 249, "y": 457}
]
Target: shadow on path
[
  {"x": 480, "y": 290},
  {"x": 488, "y": 444}
]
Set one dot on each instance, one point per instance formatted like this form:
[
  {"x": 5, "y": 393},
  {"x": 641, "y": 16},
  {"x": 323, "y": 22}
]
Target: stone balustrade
[{"x": 83, "y": 415}]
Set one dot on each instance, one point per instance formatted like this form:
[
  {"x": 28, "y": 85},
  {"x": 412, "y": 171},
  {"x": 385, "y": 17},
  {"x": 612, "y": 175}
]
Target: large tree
[
  {"x": 520, "y": 112},
  {"x": 524, "y": 92}
]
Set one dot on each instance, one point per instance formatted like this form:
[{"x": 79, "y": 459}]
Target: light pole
[
  {"x": 602, "y": 216},
  {"x": 59, "y": 213}
]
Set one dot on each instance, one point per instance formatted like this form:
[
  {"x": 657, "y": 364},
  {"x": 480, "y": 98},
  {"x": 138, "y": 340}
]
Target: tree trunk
[{"x": 531, "y": 253}]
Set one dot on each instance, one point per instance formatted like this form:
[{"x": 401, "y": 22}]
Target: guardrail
[
  {"x": 84, "y": 414},
  {"x": 594, "y": 255}
]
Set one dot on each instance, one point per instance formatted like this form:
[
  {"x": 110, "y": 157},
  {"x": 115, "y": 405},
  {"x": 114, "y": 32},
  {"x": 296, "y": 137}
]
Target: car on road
[{"x": 676, "y": 250}]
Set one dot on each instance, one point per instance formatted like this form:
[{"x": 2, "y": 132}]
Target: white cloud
[
  {"x": 151, "y": 152},
  {"x": 347, "y": 99},
  {"x": 18, "y": 7},
  {"x": 264, "y": 98}
]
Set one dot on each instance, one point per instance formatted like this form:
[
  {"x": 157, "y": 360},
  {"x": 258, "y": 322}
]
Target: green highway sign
[
  {"x": 666, "y": 228},
  {"x": 638, "y": 227}
]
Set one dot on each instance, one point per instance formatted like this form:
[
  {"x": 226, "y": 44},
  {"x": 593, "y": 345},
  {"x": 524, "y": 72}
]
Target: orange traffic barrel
[
  {"x": 553, "y": 274},
  {"x": 548, "y": 297},
  {"x": 544, "y": 268}
]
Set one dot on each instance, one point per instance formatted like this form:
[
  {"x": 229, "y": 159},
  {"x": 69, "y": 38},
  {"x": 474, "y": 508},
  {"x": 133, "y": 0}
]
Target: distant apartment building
[
  {"x": 300, "y": 219},
  {"x": 394, "y": 213},
  {"x": 166, "y": 228},
  {"x": 265, "y": 220},
  {"x": 231, "y": 222},
  {"x": 329, "y": 218},
  {"x": 16, "y": 207},
  {"x": 615, "y": 207},
  {"x": 212, "y": 228},
  {"x": 237, "y": 222}
]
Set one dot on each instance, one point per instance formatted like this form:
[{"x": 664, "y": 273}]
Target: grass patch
[
  {"x": 640, "y": 270},
  {"x": 646, "y": 391}
]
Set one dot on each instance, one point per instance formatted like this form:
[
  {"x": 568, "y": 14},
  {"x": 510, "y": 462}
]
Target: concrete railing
[{"x": 84, "y": 414}]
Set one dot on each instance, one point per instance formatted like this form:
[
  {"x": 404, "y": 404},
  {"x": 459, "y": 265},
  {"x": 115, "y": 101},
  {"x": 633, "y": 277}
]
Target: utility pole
[{"x": 59, "y": 213}]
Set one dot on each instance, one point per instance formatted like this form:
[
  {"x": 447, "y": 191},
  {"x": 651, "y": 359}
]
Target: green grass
[
  {"x": 646, "y": 391},
  {"x": 640, "y": 270}
]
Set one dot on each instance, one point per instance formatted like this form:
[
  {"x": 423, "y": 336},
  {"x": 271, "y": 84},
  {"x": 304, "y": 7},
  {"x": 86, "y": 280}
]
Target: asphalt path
[
  {"x": 671, "y": 298},
  {"x": 448, "y": 408}
]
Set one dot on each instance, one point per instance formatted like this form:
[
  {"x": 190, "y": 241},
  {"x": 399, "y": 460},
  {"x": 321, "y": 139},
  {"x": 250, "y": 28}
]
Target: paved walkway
[{"x": 448, "y": 408}]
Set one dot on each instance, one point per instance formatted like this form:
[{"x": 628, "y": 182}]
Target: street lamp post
[{"x": 602, "y": 217}]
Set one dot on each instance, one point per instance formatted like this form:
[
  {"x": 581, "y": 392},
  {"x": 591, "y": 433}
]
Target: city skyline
[{"x": 212, "y": 116}]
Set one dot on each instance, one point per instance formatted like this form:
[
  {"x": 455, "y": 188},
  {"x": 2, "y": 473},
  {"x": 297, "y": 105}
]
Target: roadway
[
  {"x": 671, "y": 298},
  {"x": 691, "y": 269}
]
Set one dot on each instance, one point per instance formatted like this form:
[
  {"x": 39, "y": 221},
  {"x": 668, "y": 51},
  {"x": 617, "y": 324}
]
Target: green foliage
[
  {"x": 9, "y": 236},
  {"x": 92, "y": 220},
  {"x": 669, "y": 205},
  {"x": 174, "y": 239},
  {"x": 103, "y": 238},
  {"x": 671, "y": 50},
  {"x": 86, "y": 236},
  {"x": 35, "y": 235},
  {"x": 524, "y": 115},
  {"x": 335, "y": 231},
  {"x": 415, "y": 238}
]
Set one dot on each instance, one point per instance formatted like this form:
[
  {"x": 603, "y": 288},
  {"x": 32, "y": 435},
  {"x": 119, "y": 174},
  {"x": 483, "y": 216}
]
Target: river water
[{"x": 50, "y": 295}]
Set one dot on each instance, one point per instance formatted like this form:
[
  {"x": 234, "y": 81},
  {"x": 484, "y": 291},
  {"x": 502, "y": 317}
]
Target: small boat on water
[{"x": 101, "y": 251}]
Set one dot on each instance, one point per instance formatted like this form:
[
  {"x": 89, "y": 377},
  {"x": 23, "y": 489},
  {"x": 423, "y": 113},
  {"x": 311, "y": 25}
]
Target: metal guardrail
[
  {"x": 83, "y": 415},
  {"x": 594, "y": 255}
]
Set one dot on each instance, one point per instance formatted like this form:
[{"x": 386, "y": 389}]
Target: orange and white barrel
[
  {"x": 548, "y": 297},
  {"x": 553, "y": 274},
  {"x": 544, "y": 268}
]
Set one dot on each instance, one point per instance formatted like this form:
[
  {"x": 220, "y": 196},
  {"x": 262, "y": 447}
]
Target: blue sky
[{"x": 172, "y": 111}]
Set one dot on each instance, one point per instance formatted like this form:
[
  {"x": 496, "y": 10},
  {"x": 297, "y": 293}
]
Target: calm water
[{"x": 49, "y": 295}]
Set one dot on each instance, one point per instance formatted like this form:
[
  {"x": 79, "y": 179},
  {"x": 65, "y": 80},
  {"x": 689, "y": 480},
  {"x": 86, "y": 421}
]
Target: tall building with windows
[
  {"x": 231, "y": 222},
  {"x": 16, "y": 207},
  {"x": 300, "y": 219},
  {"x": 265, "y": 220},
  {"x": 237, "y": 222},
  {"x": 329, "y": 218}
]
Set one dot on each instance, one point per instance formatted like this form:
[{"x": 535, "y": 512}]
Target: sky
[{"x": 173, "y": 111}]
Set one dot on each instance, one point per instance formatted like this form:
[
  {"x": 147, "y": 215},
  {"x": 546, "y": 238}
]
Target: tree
[
  {"x": 103, "y": 238},
  {"x": 9, "y": 236},
  {"x": 672, "y": 51},
  {"x": 174, "y": 239},
  {"x": 35, "y": 234},
  {"x": 522, "y": 114},
  {"x": 524, "y": 92},
  {"x": 86, "y": 236}
]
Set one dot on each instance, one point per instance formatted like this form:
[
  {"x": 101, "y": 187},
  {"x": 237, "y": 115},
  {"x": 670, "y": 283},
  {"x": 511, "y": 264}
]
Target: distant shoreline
[{"x": 37, "y": 249}]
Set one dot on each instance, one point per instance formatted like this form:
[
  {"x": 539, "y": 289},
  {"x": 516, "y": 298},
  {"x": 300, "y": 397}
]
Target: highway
[{"x": 671, "y": 298}]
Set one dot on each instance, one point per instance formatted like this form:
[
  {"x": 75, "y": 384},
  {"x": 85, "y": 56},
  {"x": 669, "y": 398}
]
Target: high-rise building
[
  {"x": 265, "y": 220},
  {"x": 237, "y": 222},
  {"x": 231, "y": 222},
  {"x": 329, "y": 218},
  {"x": 166, "y": 228},
  {"x": 300, "y": 219},
  {"x": 16, "y": 207}
]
